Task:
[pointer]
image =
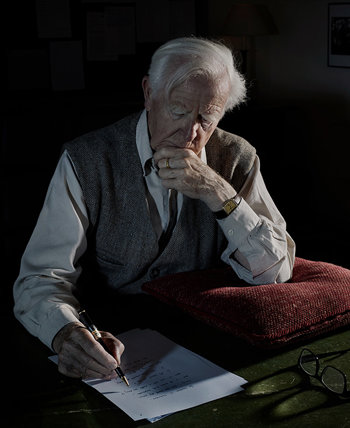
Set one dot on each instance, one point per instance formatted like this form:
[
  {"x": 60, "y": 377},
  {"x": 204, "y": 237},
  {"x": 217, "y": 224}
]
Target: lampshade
[{"x": 246, "y": 19}]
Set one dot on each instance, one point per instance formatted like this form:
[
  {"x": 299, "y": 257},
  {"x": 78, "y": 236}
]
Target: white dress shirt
[{"x": 259, "y": 249}]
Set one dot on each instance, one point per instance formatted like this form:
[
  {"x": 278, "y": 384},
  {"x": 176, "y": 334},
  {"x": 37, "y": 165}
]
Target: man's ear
[{"x": 146, "y": 92}]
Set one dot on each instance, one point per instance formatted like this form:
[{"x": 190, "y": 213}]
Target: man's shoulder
[
  {"x": 223, "y": 140},
  {"x": 230, "y": 155},
  {"x": 123, "y": 129}
]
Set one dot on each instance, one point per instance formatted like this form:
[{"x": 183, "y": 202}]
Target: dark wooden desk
[{"x": 277, "y": 395}]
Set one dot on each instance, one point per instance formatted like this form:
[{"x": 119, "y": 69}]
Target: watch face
[{"x": 229, "y": 206}]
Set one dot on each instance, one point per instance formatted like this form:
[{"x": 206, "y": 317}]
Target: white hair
[{"x": 179, "y": 59}]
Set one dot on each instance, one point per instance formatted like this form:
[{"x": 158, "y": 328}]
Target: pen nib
[{"x": 125, "y": 380}]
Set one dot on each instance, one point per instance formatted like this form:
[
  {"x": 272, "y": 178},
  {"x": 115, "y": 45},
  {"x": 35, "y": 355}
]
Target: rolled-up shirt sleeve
[
  {"x": 259, "y": 249},
  {"x": 43, "y": 291}
]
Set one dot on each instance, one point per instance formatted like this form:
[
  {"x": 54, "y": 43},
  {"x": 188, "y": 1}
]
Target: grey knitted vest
[{"x": 122, "y": 250}]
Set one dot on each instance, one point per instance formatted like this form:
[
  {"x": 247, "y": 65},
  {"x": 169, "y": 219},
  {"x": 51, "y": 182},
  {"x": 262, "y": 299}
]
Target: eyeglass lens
[
  {"x": 332, "y": 378},
  {"x": 308, "y": 362}
]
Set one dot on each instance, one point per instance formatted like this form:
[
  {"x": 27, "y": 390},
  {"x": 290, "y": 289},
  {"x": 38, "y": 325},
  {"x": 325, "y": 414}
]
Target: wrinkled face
[{"x": 188, "y": 116}]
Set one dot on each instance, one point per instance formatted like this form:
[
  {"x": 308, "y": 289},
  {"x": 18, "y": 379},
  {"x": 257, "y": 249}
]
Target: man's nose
[{"x": 190, "y": 131}]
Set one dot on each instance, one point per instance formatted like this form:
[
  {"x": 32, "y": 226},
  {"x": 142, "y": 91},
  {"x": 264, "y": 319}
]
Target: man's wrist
[
  {"x": 228, "y": 207},
  {"x": 221, "y": 192},
  {"x": 63, "y": 333}
]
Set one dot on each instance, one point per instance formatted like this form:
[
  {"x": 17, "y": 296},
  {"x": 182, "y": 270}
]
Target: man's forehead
[
  {"x": 187, "y": 105},
  {"x": 210, "y": 101}
]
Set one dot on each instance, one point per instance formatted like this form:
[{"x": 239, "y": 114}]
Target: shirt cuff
[
  {"x": 239, "y": 224},
  {"x": 56, "y": 319}
]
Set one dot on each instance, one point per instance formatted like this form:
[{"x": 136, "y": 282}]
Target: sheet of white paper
[{"x": 164, "y": 377}]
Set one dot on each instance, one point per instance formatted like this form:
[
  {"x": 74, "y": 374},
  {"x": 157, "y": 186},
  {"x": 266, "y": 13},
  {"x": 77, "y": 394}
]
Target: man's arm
[
  {"x": 43, "y": 292},
  {"x": 259, "y": 248}
]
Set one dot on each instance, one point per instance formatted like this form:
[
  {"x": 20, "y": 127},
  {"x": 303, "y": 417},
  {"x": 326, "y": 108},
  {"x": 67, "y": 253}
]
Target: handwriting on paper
[
  {"x": 153, "y": 380},
  {"x": 164, "y": 377}
]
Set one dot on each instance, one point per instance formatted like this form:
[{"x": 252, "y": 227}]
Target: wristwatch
[{"x": 228, "y": 207}]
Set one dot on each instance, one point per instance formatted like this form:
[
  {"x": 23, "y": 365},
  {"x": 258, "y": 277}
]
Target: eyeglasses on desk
[{"x": 333, "y": 379}]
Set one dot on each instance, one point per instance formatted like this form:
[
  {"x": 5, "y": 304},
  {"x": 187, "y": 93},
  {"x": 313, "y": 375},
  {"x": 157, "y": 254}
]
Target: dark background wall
[
  {"x": 299, "y": 120},
  {"x": 56, "y": 84}
]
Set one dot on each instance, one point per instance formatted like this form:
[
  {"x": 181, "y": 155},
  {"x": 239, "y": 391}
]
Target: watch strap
[{"x": 228, "y": 207}]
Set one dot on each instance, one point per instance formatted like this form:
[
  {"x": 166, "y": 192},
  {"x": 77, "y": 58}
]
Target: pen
[{"x": 86, "y": 320}]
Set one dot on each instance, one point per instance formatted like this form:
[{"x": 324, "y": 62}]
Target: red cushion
[{"x": 315, "y": 301}]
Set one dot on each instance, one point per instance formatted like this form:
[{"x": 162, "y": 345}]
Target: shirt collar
[
  {"x": 142, "y": 141},
  {"x": 144, "y": 148}
]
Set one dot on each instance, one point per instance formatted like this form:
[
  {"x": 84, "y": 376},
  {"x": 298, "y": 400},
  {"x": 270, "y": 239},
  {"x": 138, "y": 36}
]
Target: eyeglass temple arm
[{"x": 329, "y": 354}]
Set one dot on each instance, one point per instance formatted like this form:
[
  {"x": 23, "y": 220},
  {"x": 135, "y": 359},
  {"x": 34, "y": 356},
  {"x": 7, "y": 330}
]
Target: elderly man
[{"x": 159, "y": 192}]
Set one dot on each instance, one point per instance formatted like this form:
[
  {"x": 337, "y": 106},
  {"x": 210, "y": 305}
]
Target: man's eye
[
  {"x": 178, "y": 114},
  {"x": 206, "y": 124}
]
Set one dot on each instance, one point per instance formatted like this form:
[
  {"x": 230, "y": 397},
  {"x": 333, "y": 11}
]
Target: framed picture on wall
[{"x": 339, "y": 35}]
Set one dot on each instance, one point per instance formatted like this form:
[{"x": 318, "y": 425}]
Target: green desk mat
[{"x": 277, "y": 394}]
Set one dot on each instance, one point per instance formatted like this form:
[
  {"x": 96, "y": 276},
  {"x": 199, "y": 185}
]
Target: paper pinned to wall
[
  {"x": 53, "y": 18},
  {"x": 110, "y": 33},
  {"x": 152, "y": 21},
  {"x": 164, "y": 378},
  {"x": 183, "y": 18},
  {"x": 161, "y": 20},
  {"x": 67, "y": 69}
]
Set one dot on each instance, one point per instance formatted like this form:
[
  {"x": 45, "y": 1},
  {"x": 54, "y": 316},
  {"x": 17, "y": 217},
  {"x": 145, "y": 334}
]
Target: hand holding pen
[
  {"x": 85, "y": 319},
  {"x": 81, "y": 356}
]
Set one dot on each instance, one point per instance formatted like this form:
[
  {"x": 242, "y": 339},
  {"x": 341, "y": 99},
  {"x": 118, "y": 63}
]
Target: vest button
[{"x": 154, "y": 273}]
